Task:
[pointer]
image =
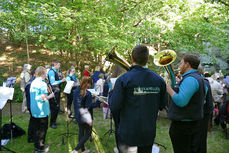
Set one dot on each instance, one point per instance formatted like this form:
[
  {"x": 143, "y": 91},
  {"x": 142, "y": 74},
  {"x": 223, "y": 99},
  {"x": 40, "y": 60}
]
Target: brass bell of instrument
[
  {"x": 164, "y": 58},
  {"x": 115, "y": 58}
]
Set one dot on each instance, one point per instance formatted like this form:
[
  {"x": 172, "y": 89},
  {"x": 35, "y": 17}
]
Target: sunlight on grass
[{"x": 97, "y": 142}]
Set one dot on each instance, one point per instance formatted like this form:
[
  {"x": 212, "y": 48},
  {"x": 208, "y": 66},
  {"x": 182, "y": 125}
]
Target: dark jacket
[
  {"x": 55, "y": 88},
  {"x": 194, "y": 109},
  {"x": 95, "y": 76},
  {"x": 27, "y": 92},
  {"x": 87, "y": 99},
  {"x": 208, "y": 106},
  {"x": 137, "y": 97}
]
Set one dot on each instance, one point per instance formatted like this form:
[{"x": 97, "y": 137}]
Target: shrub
[{"x": 18, "y": 97}]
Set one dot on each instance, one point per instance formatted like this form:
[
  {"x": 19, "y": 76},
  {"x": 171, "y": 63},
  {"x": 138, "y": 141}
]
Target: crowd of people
[{"x": 197, "y": 101}]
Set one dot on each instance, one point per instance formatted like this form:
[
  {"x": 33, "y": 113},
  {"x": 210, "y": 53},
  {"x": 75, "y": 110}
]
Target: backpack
[{"x": 16, "y": 131}]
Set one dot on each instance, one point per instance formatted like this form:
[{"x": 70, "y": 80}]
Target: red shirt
[{"x": 86, "y": 73}]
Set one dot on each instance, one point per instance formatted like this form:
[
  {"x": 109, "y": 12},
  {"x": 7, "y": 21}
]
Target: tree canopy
[{"x": 96, "y": 26}]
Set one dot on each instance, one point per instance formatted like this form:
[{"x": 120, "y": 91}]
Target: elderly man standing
[{"x": 25, "y": 76}]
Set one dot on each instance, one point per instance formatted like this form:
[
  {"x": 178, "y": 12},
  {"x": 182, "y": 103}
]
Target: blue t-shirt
[{"x": 39, "y": 108}]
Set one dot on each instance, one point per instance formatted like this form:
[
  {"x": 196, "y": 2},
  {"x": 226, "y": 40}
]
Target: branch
[
  {"x": 137, "y": 23},
  {"x": 222, "y": 2}
]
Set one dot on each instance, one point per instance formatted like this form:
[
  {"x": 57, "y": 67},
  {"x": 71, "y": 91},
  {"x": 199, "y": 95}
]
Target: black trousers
[
  {"x": 185, "y": 136},
  {"x": 84, "y": 134},
  {"x": 40, "y": 130},
  {"x": 54, "y": 107},
  {"x": 204, "y": 132},
  {"x": 31, "y": 129},
  {"x": 69, "y": 102}
]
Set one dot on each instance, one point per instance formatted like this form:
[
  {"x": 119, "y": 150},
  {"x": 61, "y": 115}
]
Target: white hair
[{"x": 27, "y": 66}]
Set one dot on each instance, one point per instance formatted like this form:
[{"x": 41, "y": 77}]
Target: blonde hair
[
  {"x": 40, "y": 71},
  {"x": 86, "y": 66},
  {"x": 101, "y": 75},
  {"x": 97, "y": 68}
]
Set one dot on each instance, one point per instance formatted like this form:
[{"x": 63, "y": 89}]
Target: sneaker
[
  {"x": 30, "y": 140},
  {"x": 116, "y": 150},
  {"x": 46, "y": 149},
  {"x": 57, "y": 123},
  {"x": 71, "y": 116},
  {"x": 53, "y": 126}
]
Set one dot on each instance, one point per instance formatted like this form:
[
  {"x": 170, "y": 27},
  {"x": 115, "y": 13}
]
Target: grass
[{"x": 102, "y": 143}]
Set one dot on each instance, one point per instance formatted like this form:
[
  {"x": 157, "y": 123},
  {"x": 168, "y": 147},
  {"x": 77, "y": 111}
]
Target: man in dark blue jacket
[
  {"x": 31, "y": 120},
  {"x": 186, "y": 108},
  {"x": 137, "y": 97}
]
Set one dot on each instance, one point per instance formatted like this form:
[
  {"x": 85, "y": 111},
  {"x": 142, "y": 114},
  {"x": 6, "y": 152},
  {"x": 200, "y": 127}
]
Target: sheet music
[
  {"x": 5, "y": 94},
  {"x": 93, "y": 92},
  {"x": 113, "y": 80},
  {"x": 68, "y": 87},
  {"x": 4, "y": 142},
  {"x": 2, "y": 103}
]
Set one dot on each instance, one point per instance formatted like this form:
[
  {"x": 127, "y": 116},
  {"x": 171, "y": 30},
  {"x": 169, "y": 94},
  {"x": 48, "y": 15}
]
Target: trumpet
[{"x": 165, "y": 58}]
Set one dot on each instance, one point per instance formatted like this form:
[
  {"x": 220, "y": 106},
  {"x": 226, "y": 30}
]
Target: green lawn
[{"x": 102, "y": 143}]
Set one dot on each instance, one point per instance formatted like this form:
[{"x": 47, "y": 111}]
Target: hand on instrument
[
  {"x": 50, "y": 96},
  {"x": 63, "y": 80}
]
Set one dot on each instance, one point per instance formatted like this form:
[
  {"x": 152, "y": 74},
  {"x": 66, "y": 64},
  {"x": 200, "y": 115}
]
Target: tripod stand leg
[{"x": 6, "y": 149}]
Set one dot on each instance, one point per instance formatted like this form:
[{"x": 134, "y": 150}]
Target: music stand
[
  {"x": 5, "y": 94},
  {"x": 10, "y": 83},
  {"x": 67, "y": 134},
  {"x": 110, "y": 131}
]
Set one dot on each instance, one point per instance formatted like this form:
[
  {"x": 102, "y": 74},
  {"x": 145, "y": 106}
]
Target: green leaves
[{"x": 99, "y": 25}]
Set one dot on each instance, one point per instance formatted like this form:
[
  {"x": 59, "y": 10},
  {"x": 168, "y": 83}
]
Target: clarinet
[{"x": 50, "y": 88}]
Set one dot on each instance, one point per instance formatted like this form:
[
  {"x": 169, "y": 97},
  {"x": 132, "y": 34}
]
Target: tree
[{"x": 86, "y": 30}]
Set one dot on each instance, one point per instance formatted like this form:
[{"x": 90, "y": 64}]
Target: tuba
[
  {"x": 115, "y": 58},
  {"x": 165, "y": 58}
]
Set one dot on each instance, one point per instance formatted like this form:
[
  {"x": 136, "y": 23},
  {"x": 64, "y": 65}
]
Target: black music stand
[
  {"x": 3, "y": 101},
  {"x": 10, "y": 83},
  {"x": 110, "y": 131},
  {"x": 67, "y": 134}
]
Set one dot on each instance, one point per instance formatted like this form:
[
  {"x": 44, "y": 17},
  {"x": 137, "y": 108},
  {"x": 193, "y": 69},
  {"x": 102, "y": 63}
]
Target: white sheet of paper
[
  {"x": 2, "y": 103},
  {"x": 4, "y": 142},
  {"x": 6, "y": 93},
  {"x": 93, "y": 92},
  {"x": 113, "y": 80},
  {"x": 155, "y": 149},
  {"x": 68, "y": 87}
]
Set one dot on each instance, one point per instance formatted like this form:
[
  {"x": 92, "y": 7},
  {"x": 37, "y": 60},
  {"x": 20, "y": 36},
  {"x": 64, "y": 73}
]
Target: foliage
[
  {"x": 18, "y": 96},
  {"x": 94, "y": 27}
]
